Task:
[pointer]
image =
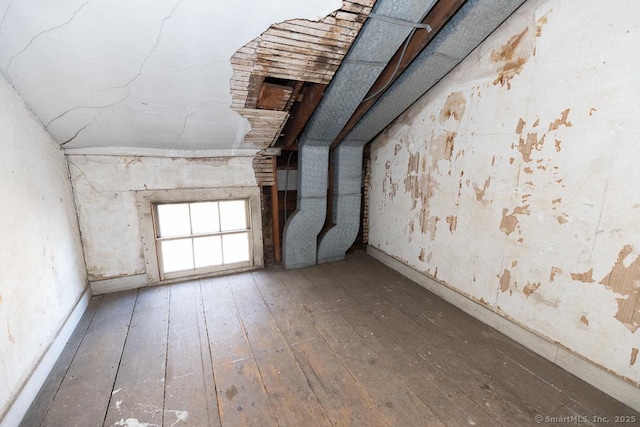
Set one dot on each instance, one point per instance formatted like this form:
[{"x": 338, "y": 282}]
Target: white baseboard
[
  {"x": 587, "y": 371},
  {"x": 21, "y": 403},
  {"x": 125, "y": 283}
]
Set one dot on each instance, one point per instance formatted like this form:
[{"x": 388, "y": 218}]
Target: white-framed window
[{"x": 199, "y": 232}]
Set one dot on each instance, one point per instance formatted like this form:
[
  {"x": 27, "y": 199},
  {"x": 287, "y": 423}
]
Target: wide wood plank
[
  {"x": 242, "y": 397},
  {"x": 185, "y": 385},
  {"x": 138, "y": 392},
  {"x": 293, "y": 401},
  {"x": 207, "y": 366},
  {"x": 85, "y": 392}
]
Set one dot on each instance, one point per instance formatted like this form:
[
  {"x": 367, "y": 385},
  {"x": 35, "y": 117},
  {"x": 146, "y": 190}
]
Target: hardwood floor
[{"x": 346, "y": 343}]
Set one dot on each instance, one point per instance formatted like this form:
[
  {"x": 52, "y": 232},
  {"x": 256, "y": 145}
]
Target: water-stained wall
[
  {"x": 105, "y": 191},
  {"x": 515, "y": 180},
  {"x": 42, "y": 273}
]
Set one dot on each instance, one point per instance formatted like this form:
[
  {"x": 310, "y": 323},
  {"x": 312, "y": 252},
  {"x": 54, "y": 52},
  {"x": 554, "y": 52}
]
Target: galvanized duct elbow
[
  {"x": 467, "y": 29},
  {"x": 377, "y": 42},
  {"x": 347, "y": 199}
]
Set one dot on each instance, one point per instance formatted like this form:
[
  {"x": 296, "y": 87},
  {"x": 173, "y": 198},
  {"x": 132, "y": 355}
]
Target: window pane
[
  {"x": 177, "y": 255},
  {"x": 173, "y": 220},
  {"x": 236, "y": 247},
  {"x": 233, "y": 215},
  {"x": 207, "y": 251},
  {"x": 204, "y": 217}
]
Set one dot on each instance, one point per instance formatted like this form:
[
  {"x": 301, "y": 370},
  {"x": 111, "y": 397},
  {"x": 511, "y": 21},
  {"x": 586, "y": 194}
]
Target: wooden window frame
[{"x": 147, "y": 201}]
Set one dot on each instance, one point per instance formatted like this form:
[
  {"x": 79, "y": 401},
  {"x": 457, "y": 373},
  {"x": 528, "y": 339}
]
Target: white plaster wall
[
  {"x": 105, "y": 186},
  {"x": 515, "y": 179},
  {"x": 42, "y": 273}
]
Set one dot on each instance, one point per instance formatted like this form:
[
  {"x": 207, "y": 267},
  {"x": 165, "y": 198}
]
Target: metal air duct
[
  {"x": 376, "y": 44},
  {"x": 475, "y": 20}
]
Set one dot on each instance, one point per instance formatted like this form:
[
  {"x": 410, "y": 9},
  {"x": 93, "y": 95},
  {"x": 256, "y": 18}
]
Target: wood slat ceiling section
[
  {"x": 263, "y": 167},
  {"x": 297, "y": 50}
]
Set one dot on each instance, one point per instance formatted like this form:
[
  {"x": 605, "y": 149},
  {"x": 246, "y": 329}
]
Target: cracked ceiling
[{"x": 122, "y": 77}]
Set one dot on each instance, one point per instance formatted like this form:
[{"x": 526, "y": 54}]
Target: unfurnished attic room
[{"x": 319, "y": 213}]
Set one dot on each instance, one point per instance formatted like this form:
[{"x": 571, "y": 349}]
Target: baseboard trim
[
  {"x": 21, "y": 403},
  {"x": 99, "y": 287},
  {"x": 587, "y": 371}
]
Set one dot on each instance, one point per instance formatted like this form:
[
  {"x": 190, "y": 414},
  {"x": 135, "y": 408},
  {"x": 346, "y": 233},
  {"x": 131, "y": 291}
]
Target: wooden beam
[
  {"x": 300, "y": 114},
  {"x": 275, "y": 216},
  {"x": 436, "y": 18},
  {"x": 297, "y": 87},
  {"x": 273, "y": 96}
]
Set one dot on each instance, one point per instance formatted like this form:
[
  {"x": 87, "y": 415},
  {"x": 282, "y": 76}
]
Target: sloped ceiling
[{"x": 137, "y": 76}]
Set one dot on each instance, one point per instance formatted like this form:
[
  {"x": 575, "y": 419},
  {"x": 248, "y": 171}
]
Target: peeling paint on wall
[
  {"x": 533, "y": 174},
  {"x": 634, "y": 356},
  {"x": 562, "y": 121},
  {"x": 510, "y": 220},
  {"x": 586, "y": 277},
  {"x": 505, "y": 279},
  {"x": 481, "y": 192},
  {"x": 530, "y": 288},
  {"x": 541, "y": 22},
  {"x": 452, "y": 220},
  {"x": 454, "y": 107},
  {"x": 512, "y": 64}
]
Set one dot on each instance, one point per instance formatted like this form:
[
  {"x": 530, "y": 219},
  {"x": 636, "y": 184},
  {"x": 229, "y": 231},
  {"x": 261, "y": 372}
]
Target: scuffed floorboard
[{"x": 345, "y": 343}]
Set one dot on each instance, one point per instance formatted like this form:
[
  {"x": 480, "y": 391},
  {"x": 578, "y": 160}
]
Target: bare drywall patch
[
  {"x": 541, "y": 22},
  {"x": 511, "y": 63},
  {"x": 480, "y": 192},
  {"x": 562, "y": 121},
  {"x": 510, "y": 220},
  {"x": 625, "y": 280},
  {"x": 505, "y": 280},
  {"x": 454, "y": 107}
]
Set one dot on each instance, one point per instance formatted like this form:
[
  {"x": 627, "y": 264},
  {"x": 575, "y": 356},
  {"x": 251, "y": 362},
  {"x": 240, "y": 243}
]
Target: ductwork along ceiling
[{"x": 385, "y": 71}]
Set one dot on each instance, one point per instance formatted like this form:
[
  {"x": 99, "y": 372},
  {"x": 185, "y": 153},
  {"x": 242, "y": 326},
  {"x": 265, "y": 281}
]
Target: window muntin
[{"x": 197, "y": 237}]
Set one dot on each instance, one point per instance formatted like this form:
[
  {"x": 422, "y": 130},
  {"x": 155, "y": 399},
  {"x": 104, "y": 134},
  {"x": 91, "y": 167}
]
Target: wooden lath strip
[
  {"x": 318, "y": 29},
  {"x": 300, "y": 56},
  {"x": 310, "y": 66},
  {"x": 309, "y": 38},
  {"x": 306, "y": 45},
  {"x": 263, "y": 168},
  {"x": 288, "y": 49}
]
